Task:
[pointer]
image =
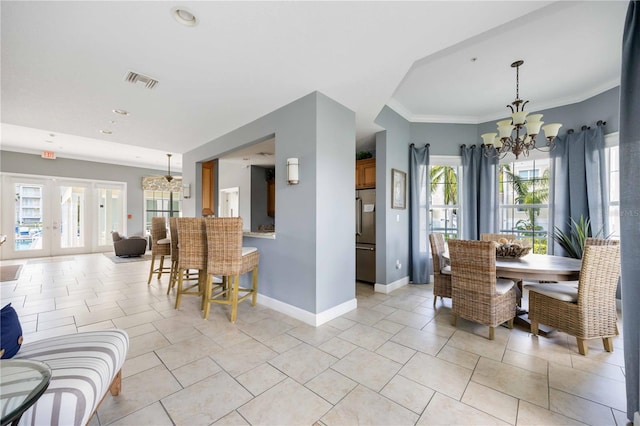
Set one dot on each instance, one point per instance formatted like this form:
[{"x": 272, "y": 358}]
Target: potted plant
[{"x": 573, "y": 241}]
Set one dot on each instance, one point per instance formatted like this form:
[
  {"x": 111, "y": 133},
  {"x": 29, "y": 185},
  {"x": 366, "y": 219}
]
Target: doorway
[
  {"x": 230, "y": 202},
  {"x": 46, "y": 216}
]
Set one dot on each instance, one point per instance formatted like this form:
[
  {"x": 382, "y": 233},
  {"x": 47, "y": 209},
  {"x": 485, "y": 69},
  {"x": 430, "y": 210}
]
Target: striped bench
[{"x": 83, "y": 367}]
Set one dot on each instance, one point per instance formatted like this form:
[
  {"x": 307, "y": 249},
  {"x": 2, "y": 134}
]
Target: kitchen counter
[{"x": 270, "y": 235}]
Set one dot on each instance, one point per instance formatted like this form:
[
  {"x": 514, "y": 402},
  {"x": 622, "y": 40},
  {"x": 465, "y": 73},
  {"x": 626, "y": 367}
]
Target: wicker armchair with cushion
[
  {"x": 588, "y": 311},
  {"x": 128, "y": 247},
  {"x": 477, "y": 294},
  {"x": 441, "y": 271}
]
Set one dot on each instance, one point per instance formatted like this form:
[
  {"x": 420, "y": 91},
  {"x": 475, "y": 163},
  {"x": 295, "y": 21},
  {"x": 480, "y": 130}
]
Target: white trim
[
  {"x": 388, "y": 288},
  {"x": 497, "y": 115},
  {"x": 445, "y": 160},
  {"x": 445, "y": 119},
  {"x": 307, "y": 317},
  {"x": 612, "y": 139},
  {"x": 399, "y": 109}
]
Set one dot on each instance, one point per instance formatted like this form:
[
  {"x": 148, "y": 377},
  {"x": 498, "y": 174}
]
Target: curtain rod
[
  {"x": 600, "y": 123},
  {"x": 426, "y": 145}
]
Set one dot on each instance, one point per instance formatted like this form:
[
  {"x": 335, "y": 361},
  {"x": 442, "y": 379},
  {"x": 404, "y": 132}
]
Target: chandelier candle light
[{"x": 527, "y": 127}]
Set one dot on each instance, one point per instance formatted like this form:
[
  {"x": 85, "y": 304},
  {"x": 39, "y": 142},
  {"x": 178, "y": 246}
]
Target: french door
[{"x": 53, "y": 216}]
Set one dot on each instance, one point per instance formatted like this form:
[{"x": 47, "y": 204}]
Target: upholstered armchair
[{"x": 128, "y": 247}]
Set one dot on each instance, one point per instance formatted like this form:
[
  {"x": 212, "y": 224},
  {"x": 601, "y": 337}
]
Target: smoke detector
[{"x": 140, "y": 79}]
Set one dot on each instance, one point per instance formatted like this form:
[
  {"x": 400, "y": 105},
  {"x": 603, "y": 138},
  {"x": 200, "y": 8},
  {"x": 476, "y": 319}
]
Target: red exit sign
[{"x": 49, "y": 155}]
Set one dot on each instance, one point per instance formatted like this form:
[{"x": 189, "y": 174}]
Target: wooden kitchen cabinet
[
  {"x": 366, "y": 173},
  {"x": 208, "y": 185},
  {"x": 271, "y": 198}
]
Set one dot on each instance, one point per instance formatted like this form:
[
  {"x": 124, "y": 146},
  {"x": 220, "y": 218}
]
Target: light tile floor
[{"x": 393, "y": 361}]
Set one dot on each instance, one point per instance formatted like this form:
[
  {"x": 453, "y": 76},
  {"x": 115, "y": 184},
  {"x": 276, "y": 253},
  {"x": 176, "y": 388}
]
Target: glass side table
[{"x": 22, "y": 382}]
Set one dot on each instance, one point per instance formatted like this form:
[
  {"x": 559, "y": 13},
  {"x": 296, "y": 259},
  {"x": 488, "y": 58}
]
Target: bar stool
[
  {"x": 227, "y": 257},
  {"x": 175, "y": 255},
  {"x": 160, "y": 246},
  {"x": 193, "y": 255}
]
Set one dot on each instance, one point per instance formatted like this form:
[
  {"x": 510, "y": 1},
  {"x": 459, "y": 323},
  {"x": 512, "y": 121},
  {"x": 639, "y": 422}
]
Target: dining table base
[{"x": 522, "y": 320}]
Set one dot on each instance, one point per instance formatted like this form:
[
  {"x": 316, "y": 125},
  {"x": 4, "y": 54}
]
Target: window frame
[{"x": 450, "y": 161}]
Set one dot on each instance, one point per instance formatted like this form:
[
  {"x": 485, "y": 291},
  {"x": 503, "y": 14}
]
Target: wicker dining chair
[
  {"x": 588, "y": 311},
  {"x": 160, "y": 247},
  {"x": 193, "y": 255},
  {"x": 590, "y": 241},
  {"x": 477, "y": 294},
  {"x": 229, "y": 259},
  {"x": 441, "y": 272},
  {"x": 497, "y": 237}
]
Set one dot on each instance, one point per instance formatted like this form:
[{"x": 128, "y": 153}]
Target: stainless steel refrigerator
[{"x": 366, "y": 235}]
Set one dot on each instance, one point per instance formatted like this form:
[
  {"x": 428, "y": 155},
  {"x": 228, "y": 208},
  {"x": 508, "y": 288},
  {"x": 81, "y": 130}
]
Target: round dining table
[{"x": 539, "y": 267}]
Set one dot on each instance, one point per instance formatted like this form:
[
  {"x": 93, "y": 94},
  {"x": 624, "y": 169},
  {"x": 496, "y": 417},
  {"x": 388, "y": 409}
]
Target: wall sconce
[
  {"x": 186, "y": 191},
  {"x": 292, "y": 171}
]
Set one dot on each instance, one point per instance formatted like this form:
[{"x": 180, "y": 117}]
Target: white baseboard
[
  {"x": 306, "y": 316},
  {"x": 381, "y": 288}
]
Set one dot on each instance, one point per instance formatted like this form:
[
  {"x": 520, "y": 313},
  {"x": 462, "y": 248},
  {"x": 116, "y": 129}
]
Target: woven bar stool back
[
  {"x": 160, "y": 247},
  {"x": 227, "y": 258},
  {"x": 192, "y": 238}
]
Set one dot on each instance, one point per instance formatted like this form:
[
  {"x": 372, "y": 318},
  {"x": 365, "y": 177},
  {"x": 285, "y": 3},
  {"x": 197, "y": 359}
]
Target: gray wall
[
  {"x": 444, "y": 139},
  {"x": 311, "y": 263},
  {"x": 15, "y": 162},
  {"x": 392, "y": 225}
]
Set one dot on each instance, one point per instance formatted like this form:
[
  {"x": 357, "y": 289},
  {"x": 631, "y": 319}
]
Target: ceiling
[{"x": 64, "y": 67}]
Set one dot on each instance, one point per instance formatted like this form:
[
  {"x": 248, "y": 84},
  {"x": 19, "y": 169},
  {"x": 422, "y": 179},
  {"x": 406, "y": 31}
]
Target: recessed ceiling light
[
  {"x": 105, "y": 131},
  {"x": 49, "y": 141},
  {"x": 120, "y": 112},
  {"x": 52, "y": 135},
  {"x": 184, "y": 17}
]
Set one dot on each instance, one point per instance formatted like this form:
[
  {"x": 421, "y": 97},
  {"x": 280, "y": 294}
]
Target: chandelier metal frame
[
  {"x": 527, "y": 127},
  {"x": 168, "y": 176}
]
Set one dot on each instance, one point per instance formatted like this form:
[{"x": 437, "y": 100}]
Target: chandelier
[
  {"x": 168, "y": 176},
  {"x": 526, "y": 126}
]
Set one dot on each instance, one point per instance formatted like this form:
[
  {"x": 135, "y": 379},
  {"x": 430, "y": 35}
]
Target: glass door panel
[
  {"x": 28, "y": 216},
  {"x": 72, "y": 222},
  {"x": 110, "y": 214}
]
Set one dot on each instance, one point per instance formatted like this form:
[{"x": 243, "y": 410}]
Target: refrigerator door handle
[{"x": 358, "y": 216}]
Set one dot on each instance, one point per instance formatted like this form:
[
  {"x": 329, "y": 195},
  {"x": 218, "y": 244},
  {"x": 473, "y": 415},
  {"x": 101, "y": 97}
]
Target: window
[
  {"x": 613, "y": 169},
  {"x": 444, "y": 209},
  {"x": 161, "y": 203},
  {"x": 524, "y": 201}
]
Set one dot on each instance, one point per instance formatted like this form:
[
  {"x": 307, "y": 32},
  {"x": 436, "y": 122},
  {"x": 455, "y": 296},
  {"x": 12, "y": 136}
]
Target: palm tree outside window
[
  {"x": 524, "y": 198},
  {"x": 444, "y": 207}
]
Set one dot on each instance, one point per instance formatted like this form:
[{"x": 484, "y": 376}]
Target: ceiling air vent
[{"x": 139, "y": 79}]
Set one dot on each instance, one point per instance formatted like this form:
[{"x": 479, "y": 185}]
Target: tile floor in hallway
[{"x": 393, "y": 361}]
